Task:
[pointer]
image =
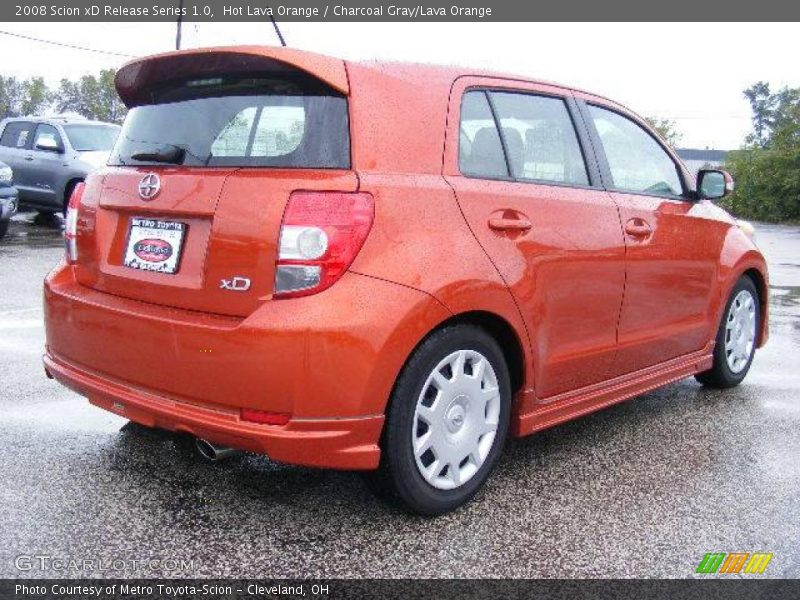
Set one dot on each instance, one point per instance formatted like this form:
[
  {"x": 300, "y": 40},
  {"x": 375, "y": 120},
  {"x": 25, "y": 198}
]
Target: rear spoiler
[{"x": 135, "y": 78}]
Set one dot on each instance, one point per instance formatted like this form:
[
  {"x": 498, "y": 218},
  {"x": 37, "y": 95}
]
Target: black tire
[
  {"x": 399, "y": 475},
  {"x": 4, "y": 228},
  {"x": 720, "y": 375}
]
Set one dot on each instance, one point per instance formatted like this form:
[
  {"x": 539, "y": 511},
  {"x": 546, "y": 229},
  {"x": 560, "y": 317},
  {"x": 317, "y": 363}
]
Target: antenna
[
  {"x": 179, "y": 23},
  {"x": 277, "y": 29}
]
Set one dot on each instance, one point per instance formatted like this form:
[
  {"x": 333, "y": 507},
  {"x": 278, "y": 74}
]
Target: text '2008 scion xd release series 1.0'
[{"x": 389, "y": 267}]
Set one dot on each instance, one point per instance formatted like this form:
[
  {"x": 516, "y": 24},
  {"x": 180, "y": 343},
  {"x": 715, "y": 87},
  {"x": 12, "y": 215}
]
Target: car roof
[
  {"x": 139, "y": 73},
  {"x": 142, "y": 71},
  {"x": 56, "y": 120}
]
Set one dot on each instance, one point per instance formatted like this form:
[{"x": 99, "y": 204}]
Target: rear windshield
[
  {"x": 89, "y": 138},
  {"x": 239, "y": 122}
]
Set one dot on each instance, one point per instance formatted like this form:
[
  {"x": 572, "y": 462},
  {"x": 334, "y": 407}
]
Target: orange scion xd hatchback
[{"x": 386, "y": 266}]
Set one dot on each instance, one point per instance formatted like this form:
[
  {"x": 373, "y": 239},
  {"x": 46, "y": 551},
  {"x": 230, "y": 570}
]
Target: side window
[
  {"x": 638, "y": 163},
  {"x": 235, "y": 136},
  {"x": 540, "y": 138},
  {"x": 47, "y": 136},
  {"x": 17, "y": 134},
  {"x": 480, "y": 152},
  {"x": 280, "y": 130}
]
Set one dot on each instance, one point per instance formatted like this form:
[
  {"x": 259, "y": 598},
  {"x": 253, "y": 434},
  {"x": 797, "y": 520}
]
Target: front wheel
[
  {"x": 736, "y": 338},
  {"x": 4, "y": 228},
  {"x": 448, "y": 420}
]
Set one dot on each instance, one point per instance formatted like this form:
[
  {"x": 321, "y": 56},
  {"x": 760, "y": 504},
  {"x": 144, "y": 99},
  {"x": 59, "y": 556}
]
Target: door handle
[
  {"x": 29, "y": 157},
  {"x": 510, "y": 224},
  {"x": 638, "y": 228}
]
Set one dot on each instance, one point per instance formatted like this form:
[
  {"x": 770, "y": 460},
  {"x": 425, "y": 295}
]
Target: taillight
[
  {"x": 71, "y": 223},
  {"x": 321, "y": 234}
]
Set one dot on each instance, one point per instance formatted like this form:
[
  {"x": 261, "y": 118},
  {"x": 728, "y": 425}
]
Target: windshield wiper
[{"x": 170, "y": 154}]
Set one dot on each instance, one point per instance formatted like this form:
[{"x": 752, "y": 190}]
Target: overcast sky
[{"x": 691, "y": 73}]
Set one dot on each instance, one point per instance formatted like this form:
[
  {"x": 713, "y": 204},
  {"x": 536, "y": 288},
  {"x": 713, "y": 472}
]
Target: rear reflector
[
  {"x": 71, "y": 223},
  {"x": 264, "y": 417},
  {"x": 321, "y": 234}
]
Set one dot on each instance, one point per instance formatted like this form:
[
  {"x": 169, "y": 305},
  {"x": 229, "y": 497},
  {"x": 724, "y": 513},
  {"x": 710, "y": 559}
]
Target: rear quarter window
[
  {"x": 480, "y": 151},
  {"x": 16, "y": 135}
]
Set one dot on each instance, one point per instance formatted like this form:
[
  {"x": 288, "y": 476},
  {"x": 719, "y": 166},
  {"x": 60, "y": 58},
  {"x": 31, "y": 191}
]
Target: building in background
[{"x": 697, "y": 159}]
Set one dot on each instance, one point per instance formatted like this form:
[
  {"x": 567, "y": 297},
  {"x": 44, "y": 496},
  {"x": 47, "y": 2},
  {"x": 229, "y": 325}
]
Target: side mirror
[
  {"x": 713, "y": 184},
  {"x": 48, "y": 144}
]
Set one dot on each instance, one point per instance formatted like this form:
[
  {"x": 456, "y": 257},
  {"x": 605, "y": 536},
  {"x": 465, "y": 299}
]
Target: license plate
[{"x": 154, "y": 245}]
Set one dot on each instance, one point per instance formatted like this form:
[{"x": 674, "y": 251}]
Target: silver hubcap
[
  {"x": 740, "y": 331},
  {"x": 456, "y": 418}
]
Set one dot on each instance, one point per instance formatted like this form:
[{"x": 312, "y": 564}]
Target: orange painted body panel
[
  {"x": 233, "y": 218},
  {"x": 670, "y": 296},
  {"x": 596, "y": 317}
]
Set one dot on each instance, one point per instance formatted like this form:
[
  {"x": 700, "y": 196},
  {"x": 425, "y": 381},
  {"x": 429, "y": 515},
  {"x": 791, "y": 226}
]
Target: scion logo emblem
[
  {"x": 149, "y": 186},
  {"x": 237, "y": 284}
]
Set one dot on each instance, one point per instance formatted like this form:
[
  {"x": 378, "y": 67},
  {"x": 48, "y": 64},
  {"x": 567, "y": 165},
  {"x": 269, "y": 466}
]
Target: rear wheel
[
  {"x": 447, "y": 422},
  {"x": 736, "y": 338}
]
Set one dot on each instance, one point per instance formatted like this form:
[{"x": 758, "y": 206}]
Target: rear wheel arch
[
  {"x": 498, "y": 328},
  {"x": 70, "y": 185},
  {"x": 401, "y": 478},
  {"x": 503, "y": 333}
]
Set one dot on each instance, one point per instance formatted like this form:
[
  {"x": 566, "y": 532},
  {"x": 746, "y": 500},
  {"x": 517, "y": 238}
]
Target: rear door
[
  {"x": 198, "y": 185},
  {"x": 672, "y": 245},
  {"x": 530, "y": 191}
]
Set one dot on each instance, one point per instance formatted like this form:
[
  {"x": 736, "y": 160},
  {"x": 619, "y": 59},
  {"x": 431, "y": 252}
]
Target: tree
[
  {"x": 36, "y": 96},
  {"x": 761, "y": 103},
  {"x": 93, "y": 97},
  {"x": 767, "y": 169},
  {"x": 667, "y": 129},
  {"x": 110, "y": 107},
  {"x": 11, "y": 91}
]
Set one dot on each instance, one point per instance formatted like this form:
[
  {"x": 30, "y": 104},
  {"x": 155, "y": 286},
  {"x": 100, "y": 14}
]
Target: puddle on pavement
[
  {"x": 32, "y": 230},
  {"x": 781, "y": 295}
]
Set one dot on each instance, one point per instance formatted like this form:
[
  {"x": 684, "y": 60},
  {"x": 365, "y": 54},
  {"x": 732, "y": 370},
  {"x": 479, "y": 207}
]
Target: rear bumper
[
  {"x": 330, "y": 443},
  {"x": 328, "y": 360}
]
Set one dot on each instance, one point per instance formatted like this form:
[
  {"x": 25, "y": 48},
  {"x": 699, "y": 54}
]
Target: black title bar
[
  {"x": 404, "y": 11},
  {"x": 385, "y": 589}
]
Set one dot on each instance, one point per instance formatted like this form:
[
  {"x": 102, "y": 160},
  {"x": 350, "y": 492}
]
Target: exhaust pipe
[{"x": 212, "y": 452}]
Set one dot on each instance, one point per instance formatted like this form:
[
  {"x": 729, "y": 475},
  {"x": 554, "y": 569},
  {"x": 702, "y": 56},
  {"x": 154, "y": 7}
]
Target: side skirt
[{"x": 570, "y": 405}]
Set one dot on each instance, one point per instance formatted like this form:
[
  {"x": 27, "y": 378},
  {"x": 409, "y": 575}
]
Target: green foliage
[
  {"x": 667, "y": 129},
  {"x": 767, "y": 184},
  {"x": 767, "y": 169},
  {"x": 36, "y": 96},
  {"x": 92, "y": 96},
  {"x": 10, "y": 97}
]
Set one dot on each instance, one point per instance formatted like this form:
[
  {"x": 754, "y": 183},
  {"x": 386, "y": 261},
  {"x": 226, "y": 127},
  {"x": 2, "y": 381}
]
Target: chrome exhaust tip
[{"x": 212, "y": 452}]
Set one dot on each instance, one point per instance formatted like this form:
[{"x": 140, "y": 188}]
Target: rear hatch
[{"x": 188, "y": 213}]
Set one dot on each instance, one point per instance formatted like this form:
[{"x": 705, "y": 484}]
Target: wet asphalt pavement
[{"x": 643, "y": 489}]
